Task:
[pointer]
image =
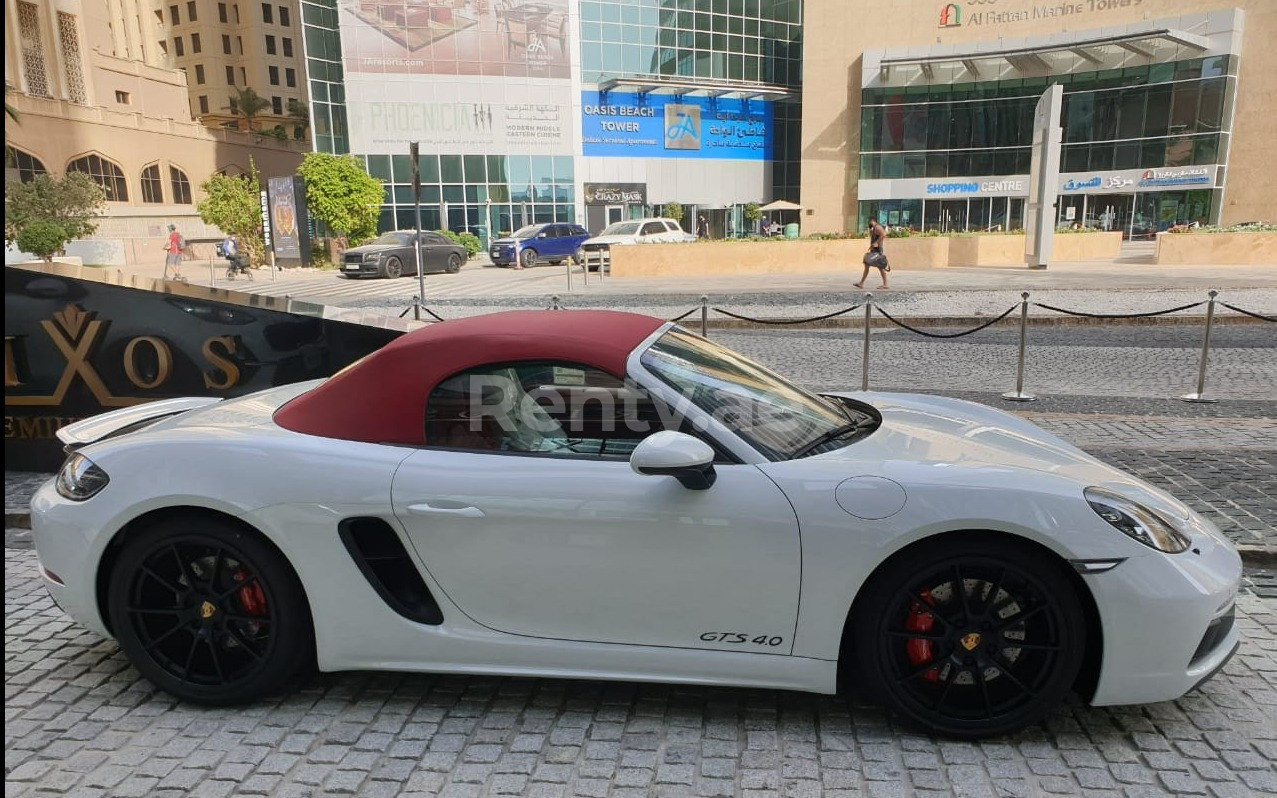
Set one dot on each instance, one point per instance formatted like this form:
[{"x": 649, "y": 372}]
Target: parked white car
[
  {"x": 633, "y": 231},
  {"x": 601, "y": 495}
]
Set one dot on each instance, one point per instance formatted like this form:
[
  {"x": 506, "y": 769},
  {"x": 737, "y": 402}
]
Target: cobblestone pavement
[{"x": 80, "y": 722}]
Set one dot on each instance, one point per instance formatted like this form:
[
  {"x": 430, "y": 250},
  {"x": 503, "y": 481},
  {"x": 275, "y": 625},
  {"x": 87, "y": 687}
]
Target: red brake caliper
[
  {"x": 920, "y": 620},
  {"x": 251, "y": 596}
]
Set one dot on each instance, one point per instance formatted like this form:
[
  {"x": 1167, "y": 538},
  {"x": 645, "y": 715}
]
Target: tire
[
  {"x": 454, "y": 264},
  {"x": 929, "y": 651},
  {"x": 528, "y": 258},
  {"x": 392, "y": 268},
  {"x": 209, "y": 612}
]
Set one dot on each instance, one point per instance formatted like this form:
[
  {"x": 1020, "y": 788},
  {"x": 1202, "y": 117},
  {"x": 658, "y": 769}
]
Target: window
[
  {"x": 268, "y": 14},
  {"x": 180, "y": 185},
  {"x": 653, "y": 228},
  {"x": 32, "y": 50},
  {"x": 203, "y": 103},
  {"x": 221, "y": 13},
  {"x": 270, "y": 45},
  {"x": 195, "y": 43},
  {"x": 152, "y": 189},
  {"x": 26, "y": 164},
  {"x": 105, "y": 173},
  {"x": 69, "y": 34},
  {"x": 177, "y": 46},
  {"x": 230, "y": 76},
  {"x": 239, "y": 44},
  {"x": 226, "y": 44},
  {"x": 236, "y": 9},
  {"x": 122, "y": 97},
  {"x": 172, "y": 15},
  {"x": 243, "y": 77},
  {"x": 191, "y": 16},
  {"x": 199, "y": 74},
  {"x": 277, "y": 103},
  {"x": 290, "y": 78},
  {"x": 273, "y": 73},
  {"x": 283, "y": 16},
  {"x": 549, "y": 408},
  {"x": 288, "y": 47}
]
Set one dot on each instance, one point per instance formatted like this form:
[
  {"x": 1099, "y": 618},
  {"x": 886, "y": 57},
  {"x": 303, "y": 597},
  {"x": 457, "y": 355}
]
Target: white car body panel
[{"x": 590, "y": 570}]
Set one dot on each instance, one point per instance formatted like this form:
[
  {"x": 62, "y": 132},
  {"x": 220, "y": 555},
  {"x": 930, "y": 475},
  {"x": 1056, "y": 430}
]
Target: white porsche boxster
[{"x": 600, "y": 495}]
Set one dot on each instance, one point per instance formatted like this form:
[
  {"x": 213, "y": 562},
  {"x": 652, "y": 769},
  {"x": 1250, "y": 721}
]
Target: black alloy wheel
[
  {"x": 392, "y": 268},
  {"x": 528, "y": 258},
  {"x": 209, "y": 612},
  {"x": 454, "y": 263},
  {"x": 970, "y": 637}
]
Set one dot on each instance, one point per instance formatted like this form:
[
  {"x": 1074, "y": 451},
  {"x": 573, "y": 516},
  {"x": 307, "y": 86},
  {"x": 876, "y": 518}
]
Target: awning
[
  {"x": 781, "y": 205},
  {"x": 696, "y": 87}
]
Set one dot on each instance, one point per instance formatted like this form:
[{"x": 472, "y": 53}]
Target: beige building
[
  {"x": 919, "y": 112},
  {"x": 92, "y": 97}
]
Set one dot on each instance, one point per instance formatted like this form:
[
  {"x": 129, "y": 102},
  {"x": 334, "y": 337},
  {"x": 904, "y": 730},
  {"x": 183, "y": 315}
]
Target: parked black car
[{"x": 392, "y": 254}]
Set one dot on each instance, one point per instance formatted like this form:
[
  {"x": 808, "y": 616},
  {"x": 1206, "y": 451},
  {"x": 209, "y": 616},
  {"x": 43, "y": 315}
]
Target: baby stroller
[{"x": 236, "y": 263}]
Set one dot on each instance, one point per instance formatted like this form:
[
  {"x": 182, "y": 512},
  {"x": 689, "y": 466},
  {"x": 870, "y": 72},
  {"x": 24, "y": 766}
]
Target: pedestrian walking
[
  {"x": 875, "y": 258},
  {"x": 702, "y": 228},
  {"x": 174, "y": 247}
]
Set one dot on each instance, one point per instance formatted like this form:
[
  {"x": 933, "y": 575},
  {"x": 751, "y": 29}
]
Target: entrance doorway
[{"x": 615, "y": 213}]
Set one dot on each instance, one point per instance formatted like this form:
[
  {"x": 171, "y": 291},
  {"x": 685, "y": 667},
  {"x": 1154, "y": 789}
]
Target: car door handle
[{"x": 425, "y": 508}]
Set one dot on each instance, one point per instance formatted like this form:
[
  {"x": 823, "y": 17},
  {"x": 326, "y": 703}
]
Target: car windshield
[
  {"x": 395, "y": 239},
  {"x": 621, "y": 229},
  {"x": 527, "y": 232},
  {"x": 773, "y": 415}
]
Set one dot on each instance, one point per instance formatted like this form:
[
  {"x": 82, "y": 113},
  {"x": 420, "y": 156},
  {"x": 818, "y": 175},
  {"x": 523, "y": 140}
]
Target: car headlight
[
  {"x": 80, "y": 479},
  {"x": 372, "y": 256},
  {"x": 1137, "y": 521}
]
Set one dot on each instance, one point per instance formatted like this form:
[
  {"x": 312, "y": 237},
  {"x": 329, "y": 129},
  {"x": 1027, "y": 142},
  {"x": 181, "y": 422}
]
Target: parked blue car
[{"x": 553, "y": 242}]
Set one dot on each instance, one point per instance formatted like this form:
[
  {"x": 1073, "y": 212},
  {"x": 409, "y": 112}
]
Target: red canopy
[{"x": 382, "y": 398}]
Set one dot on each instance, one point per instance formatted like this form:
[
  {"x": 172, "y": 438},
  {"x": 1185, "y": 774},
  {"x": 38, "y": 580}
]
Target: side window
[
  {"x": 673, "y": 228},
  {"x": 653, "y": 228},
  {"x": 561, "y": 409},
  {"x": 580, "y": 231},
  {"x": 432, "y": 238}
]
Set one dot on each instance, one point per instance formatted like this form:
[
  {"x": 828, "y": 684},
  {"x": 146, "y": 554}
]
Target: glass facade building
[{"x": 533, "y": 111}]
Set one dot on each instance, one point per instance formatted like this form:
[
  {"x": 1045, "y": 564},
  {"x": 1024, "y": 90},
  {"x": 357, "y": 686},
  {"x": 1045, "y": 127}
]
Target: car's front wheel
[
  {"x": 528, "y": 258},
  {"x": 969, "y": 636},
  {"x": 209, "y": 612},
  {"x": 392, "y": 268}
]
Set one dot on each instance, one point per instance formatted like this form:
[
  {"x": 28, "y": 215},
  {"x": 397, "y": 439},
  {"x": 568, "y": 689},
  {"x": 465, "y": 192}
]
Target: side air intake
[{"x": 384, "y": 562}]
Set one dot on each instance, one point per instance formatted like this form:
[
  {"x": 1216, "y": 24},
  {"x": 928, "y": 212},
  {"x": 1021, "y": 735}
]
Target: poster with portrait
[{"x": 290, "y": 237}]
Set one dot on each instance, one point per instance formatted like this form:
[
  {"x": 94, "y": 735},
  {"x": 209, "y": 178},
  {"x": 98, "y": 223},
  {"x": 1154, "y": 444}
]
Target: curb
[{"x": 1253, "y": 556}]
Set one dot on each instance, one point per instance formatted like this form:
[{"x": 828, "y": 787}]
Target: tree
[
  {"x": 248, "y": 103},
  {"x": 232, "y": 203},
  {"x": 673, "y": 211},
  {"x": 299, "y": 116},
  {"x": 342, "y": 195},
  {"x": 72, "y": 203},
  {"x": 753, "y": 212},
  {"x": 10, "y": 113},
  {"x": 42, "y": 238}
]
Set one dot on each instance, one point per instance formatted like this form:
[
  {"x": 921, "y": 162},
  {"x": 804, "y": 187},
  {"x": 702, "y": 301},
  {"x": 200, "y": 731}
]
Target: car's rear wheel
[
  {"x": 454, "y": 263},
  {"x": 392, "y": 268},
  {"x": 969, "y": 636},
  {"x": 528, "y": 258},
  {"x": 209, "y": 612}
]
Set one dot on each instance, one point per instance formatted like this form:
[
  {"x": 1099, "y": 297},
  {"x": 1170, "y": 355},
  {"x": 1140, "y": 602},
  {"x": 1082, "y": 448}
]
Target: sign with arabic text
[
  {"x": 627, "y": 125},
  {"x": 1129, "y": 181}
]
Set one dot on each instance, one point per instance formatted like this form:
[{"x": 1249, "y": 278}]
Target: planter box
[
  {"x": 1216, "y": 249},
  {"x": 771, "y": 257},
  {"x": 988, "y": 250},
  {"x": 1085, "y": 246}
]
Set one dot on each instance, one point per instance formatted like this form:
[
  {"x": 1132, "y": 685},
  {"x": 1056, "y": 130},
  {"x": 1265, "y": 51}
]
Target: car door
[
  {"x": 434, "y": 251},
  {"x": 533, "y": 523},
  {"x": 652, "y": 233}
]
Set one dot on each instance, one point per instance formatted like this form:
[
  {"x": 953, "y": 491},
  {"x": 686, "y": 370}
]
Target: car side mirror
[{"x": 675, "y": 454}]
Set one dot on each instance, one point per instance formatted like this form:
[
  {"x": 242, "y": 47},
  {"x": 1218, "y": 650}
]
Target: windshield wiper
[{"x": 833, "y": 434}]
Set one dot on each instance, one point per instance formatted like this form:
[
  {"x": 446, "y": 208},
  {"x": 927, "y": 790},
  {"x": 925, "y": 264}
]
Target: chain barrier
[
  {"x": 989, "y": 323},
  {"x": 1119, "y": 315},
  {"x": 685, "y": 315},
  {"x": 1259, "y": 316},
  {"x": 786, "y": 321},
  {"x": 410, "y": 308}
]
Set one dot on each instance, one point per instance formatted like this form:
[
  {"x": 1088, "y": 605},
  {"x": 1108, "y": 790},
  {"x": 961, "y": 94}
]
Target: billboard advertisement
[
  {"x": 289, "y": 238},
  {"x": 495, "y": 38},
  {"x": 622, "y": 124}
]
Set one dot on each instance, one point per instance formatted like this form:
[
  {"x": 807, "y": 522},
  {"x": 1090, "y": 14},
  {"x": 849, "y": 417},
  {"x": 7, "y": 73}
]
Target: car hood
[
  {"x": 625, "y": 239},
  {"x": 369, "y": 248},
  {"x": 507, "y": 241},
  {"x": 949, "y": 440}
]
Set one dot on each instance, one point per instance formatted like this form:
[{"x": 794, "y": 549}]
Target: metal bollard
[
  {"x": 864, "y": 364},
  {"x": 212, "y": 275},
  {"x": 416, "y": 308},
  {"x": 1200, "y": 396},
  {"x": 567, "y": 266},
  {"x": 1018, "y": 395},
  {"x": 704, "y": 316}
]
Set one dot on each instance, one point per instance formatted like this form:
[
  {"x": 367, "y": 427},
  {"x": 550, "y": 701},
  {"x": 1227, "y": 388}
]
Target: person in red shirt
[{"x": 173, "y": 247}]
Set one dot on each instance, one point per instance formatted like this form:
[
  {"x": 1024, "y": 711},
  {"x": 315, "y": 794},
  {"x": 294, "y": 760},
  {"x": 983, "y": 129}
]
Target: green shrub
[
  {"x": 673, "y": 210},
  {"x": 42, "y": 238},
  {"x": 466, "y": 239}
]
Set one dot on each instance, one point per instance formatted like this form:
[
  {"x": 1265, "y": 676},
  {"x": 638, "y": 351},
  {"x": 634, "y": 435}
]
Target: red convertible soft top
[{"x": 382, "y": 398}]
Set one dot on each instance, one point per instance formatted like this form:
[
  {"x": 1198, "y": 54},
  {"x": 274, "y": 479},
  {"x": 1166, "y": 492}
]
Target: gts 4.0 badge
[{"x": 741, "y": 638}]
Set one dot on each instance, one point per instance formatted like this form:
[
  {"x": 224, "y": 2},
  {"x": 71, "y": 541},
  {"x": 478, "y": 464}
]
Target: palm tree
[
  {"x": 10, "y": 113},
  {"x": 248, "y": 103},
  {"x": 299, "y": 116}
]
